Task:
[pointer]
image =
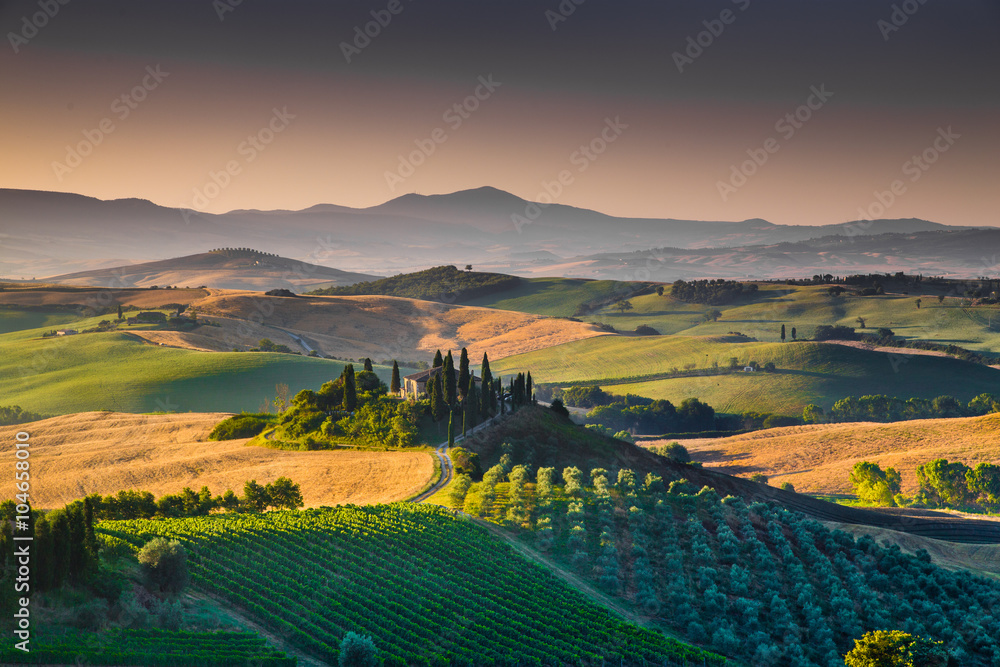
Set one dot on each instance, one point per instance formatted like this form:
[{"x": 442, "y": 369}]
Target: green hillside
[
  {"x": 117, "y": 371},
  {"x": 806, "y": 372},
  {"x": 12, "y": 319},
  {"x": 431, "y": 588},
  {"x": 762, "y": 314},
  {"x": 554, "y": 297}
]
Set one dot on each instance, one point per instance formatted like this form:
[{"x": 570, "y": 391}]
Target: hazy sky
[{"x": 288, "y": 108}]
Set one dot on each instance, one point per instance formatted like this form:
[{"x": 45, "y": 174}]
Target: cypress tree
[
  {"x": 793, "y": 333},
  {"x": 61, "y": 553},
  {"x": 438, "y": 360},
  {"x": 368, "y": 365},
  {"x": 394, "y": 385},
  {"x": 120, "y": 314},
  {"x": 471, "y": 406},
  {"x": 350, "y": 389},
  {"x": 45, "y": 554},
  {"x": 528, "y": 395},
  {"x": 78, "y": 560},
  {"x": 450, "y": 385},
  {"x": 489, "y": 398},
  {"x": 463, "y": 372},
  {"x": 451, "y": 427},
  {"x": 498, "y": 388},
  {"x": 782, "y": 333},
  {"x": 438, "y": 406}
]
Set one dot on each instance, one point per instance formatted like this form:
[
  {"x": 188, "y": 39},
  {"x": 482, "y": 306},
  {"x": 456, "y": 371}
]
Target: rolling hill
[
  {"x": 818, "y": 458},
  {"x": 105, "y": 452},
  {"x": 224, "y": 270},
  {"x": 807, "y": 372}
]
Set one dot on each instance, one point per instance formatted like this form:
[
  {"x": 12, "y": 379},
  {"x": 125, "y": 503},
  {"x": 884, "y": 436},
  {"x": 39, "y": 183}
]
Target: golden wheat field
[
  {"x": 104, "y": 452},
  {"x": 818, "y": 458}
]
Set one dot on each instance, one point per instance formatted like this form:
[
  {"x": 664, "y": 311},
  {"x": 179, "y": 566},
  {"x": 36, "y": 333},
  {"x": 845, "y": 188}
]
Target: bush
[
  {"x": 357, "y": 651},
  {"x": 558, "y": 408},
  {"x": 243, "y": 425},
  {"x": 644, "y": 330},
  {"x": 674, "y": 451},
  {"x": 164, "y": 565}
]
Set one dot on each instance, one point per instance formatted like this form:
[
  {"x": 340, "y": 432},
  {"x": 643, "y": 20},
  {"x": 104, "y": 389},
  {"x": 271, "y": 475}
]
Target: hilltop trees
[{"x": 710, "y": 292}]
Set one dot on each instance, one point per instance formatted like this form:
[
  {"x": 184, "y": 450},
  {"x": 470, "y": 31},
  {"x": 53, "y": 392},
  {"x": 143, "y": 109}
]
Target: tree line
[
  {"x": 709, "y": 292},
  {"x": 882, "y": 408},
  {"x": 942, "y": 485}
]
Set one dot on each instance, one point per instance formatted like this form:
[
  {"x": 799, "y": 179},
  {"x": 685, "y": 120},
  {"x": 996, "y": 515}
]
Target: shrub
[
  {"x": 164, "y": 565},
  {"x": 243, "y": 425}
]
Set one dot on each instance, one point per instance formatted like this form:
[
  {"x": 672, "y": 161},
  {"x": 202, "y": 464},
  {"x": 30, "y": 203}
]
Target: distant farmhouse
[
  {"x": 66, "y": 332},
  {"x": 415, "y": 385}
]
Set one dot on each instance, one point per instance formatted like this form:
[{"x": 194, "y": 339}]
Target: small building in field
[
  {"x": 66, "y": 332},
  {"x": 415, "y": 385},
  {"x": 749, "y": 369}
]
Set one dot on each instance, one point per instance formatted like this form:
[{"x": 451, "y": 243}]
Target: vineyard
[
  {"x": 753, "y": 582},
  {"x": 429, "y": 587},
  {"x": 152, "y": 648}
]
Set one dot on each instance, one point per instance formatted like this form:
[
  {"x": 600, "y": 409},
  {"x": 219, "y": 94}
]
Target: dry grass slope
[
  {"x": 104, "y": 452},
  {"x": 385, "y": 327},
  {"x": 818, "y": 458}
]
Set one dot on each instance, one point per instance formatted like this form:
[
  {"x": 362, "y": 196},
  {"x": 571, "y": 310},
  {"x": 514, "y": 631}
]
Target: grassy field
[
  {"x": 555, "y": 297},
  {"x": 818, "y": 458},
  {"x": 117, "y": 371},
  {"x": 761, "y": 316},
  {"x": 807, "y": 372},
  {"x": 105, "y": 452},
  {"x": 16, "y": 320}
]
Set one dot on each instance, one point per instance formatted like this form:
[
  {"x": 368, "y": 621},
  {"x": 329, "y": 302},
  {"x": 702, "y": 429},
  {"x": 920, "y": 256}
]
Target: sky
[{"x": 795, "y": 111}]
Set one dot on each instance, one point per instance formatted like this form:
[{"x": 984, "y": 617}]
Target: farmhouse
[
  {"x": 415, "y": 385},
  {"x": 66, "y": 332}
]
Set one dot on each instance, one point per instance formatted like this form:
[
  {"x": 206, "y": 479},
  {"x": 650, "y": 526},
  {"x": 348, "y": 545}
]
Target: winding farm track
[{"x": 447, "y": 469}]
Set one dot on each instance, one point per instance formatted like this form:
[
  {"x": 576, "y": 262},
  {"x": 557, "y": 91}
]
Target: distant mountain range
[{"x": 45, "y": 234}]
